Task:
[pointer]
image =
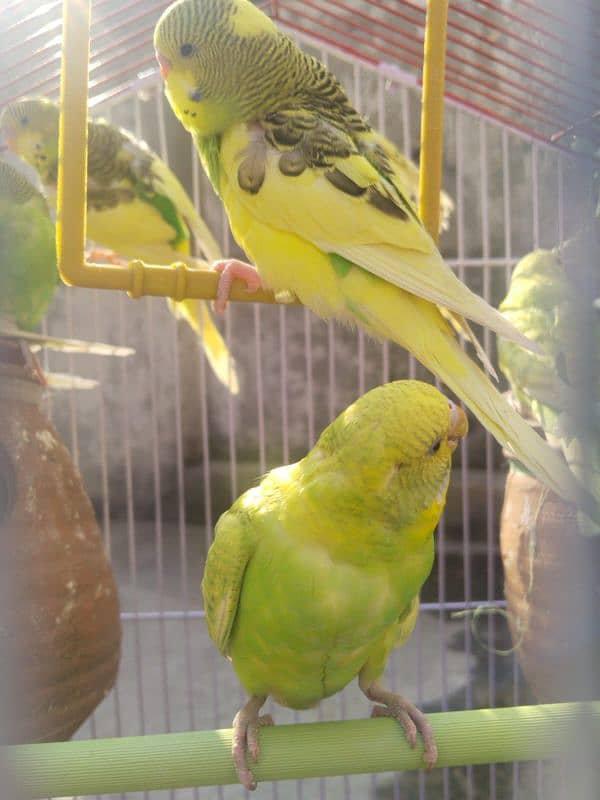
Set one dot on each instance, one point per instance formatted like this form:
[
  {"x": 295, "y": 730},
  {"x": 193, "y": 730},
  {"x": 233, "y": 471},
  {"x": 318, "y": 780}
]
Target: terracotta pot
[
  {"x": 60, "y": 632},
  {"x": 552, "y": 586}
]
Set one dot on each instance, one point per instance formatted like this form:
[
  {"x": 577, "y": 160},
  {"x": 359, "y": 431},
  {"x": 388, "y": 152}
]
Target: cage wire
[{"x": 164, "y": 449}]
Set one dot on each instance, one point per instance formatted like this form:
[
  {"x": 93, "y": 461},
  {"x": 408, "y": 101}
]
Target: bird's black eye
[
  {"x": 435, "y": 447},
  {"x": 186, "y": 50},
  {"x": 24, "y": 121}
]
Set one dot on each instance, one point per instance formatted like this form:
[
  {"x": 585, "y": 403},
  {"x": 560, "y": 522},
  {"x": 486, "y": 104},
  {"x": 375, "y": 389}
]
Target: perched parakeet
[
  {"x": 28, "y": 274},
  {"x": 314, "y": 575},
  {"x": 559, "y": 389},
  {"x": 136, "y": 206},
  {"x": 318, "y": 204}
]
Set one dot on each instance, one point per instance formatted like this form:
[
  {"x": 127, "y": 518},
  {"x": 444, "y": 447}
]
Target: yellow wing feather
[{"x": 398, "y": 250}]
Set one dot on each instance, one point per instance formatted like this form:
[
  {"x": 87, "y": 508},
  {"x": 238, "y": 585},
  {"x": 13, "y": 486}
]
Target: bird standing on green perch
[
  {"x": 314, "y": 575},
  {"x": 318, "y": 203},
  {"x": 136, "y": 207}
]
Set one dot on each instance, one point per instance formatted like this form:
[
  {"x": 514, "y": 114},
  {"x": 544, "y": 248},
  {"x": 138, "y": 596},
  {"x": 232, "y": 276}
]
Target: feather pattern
[{"x": 136, "y": 207}]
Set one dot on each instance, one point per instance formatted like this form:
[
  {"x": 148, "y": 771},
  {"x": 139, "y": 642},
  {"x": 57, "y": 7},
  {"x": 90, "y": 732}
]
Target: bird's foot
[
  {"x": 245, "y": 739},
  {"x": 229, "y": 270},
  {"x": 408, "y": 715},
  {"x": 99, "y": 255}
]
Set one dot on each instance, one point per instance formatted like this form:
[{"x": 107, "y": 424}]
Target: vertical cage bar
[
  {"x": 310, "y": 411},
  {"x": 489, "y": 444},
  {"x": 358, "y": 104},
  {"x": 407, "y": 149},
  {"x": 180, "y": 471},
  {"x": 464, "y": 447},
  {"x": 260, "y": 399},
  {"x": 131, "y": 533},
  {"x": 285, "y": 421},
  {"x": 381, "y": 126}
]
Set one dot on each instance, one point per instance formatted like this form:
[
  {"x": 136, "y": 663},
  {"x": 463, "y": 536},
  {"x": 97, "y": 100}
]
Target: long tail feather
[
  {"x": 462, "y": 327},
  {"x": 198, "y": 316},
  {"x": 493, "y": 411},
  {"x": 420, "y": 328}
]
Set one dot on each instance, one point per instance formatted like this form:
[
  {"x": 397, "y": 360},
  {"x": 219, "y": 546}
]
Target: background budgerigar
[
  {"x": 320, "y": 207},
  {"x": 314, "y": 575},
  {"x": 29, "y": 276},
  {"x": 136, "y": 205},
  {"x": 28, "y": 273},
  {"x": 559, "y": 389}
]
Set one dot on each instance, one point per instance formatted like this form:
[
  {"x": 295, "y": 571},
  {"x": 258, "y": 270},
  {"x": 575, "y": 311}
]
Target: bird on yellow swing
[{"x": 315, "y": 198}]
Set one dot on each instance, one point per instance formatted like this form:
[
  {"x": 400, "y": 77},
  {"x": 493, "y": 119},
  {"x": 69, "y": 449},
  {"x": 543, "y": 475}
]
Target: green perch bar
[{"x": 323, "y": 749}]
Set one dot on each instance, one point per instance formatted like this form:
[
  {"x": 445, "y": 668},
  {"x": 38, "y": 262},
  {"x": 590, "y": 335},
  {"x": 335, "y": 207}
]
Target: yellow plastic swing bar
[
  {"x": 179, "y": 281},
  {"x": 136, "y": 277}
]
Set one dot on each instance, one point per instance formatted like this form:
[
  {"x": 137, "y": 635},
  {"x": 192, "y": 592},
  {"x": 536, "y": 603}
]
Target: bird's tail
[
  {"x": 456, "y": 369},
  {"x": 197, "y": 314},
  {"x": 420, "y": 328}
]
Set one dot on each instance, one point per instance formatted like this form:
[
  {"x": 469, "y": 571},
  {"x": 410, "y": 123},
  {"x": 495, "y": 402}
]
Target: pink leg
[
  {"x": 231, "y": 269},
  {"x": 412, "y": 720},
  {"x": 245, "y": 739}
]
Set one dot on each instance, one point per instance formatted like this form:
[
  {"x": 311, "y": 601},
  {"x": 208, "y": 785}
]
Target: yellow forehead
[{"x": 247, "y": 20}]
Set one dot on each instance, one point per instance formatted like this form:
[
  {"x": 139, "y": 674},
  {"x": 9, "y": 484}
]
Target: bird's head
[
  {"x": 216, "y": 58},
  {"x": 29, "y": 128},
  {"x": 394, "y": 445}
]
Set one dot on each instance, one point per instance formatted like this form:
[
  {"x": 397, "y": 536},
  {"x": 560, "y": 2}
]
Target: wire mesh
[
  {"x": 294, "y": 368},
  {"x": 163, "y": 451},
  {"x": 511, "y": 61}
]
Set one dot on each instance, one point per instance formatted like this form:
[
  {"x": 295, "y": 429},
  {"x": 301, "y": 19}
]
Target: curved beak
[
  {"x": 164, "y": 64},
  {"x": 459, "y": 425}
]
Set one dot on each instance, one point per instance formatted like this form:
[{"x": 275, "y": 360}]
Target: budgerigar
[
  {"x": 314, "y": 575},
  {"x": 28, "y": 274},
  {"x": 136, "y": 206},
  {"x": 319, "y": 206},
  {"x": 559, "y": 389}
]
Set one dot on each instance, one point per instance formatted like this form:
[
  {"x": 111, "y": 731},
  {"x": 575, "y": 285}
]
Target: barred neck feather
[{"x": 14, "y": 186}]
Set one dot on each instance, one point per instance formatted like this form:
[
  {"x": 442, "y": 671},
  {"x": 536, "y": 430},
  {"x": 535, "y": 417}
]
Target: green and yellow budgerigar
[
  {"x": 136, "y": 206},
  {"x": 28, "y": 273},
  {"x": 29, "y": 277},
  {"x": 559, "y": 389},
  {"x": 314, "y": 575},
  {"x": 318, "y": 204}
]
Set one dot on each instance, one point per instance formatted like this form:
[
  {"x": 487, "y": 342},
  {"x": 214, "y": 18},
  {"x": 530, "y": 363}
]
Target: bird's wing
[
  {"x": 226, "y": 563},
  {"x": 297, "y": 172},
  {"x": 407, "y": 175},
  {"x": 160, "y": 187}
]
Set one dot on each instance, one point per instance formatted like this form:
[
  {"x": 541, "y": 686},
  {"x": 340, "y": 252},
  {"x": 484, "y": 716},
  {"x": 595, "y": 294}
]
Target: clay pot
[
  {"x": 552, "y": 586},
  {"x": 60, "y": 632}
]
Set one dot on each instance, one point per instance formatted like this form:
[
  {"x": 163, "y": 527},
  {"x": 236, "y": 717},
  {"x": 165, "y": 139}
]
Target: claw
[
  {"x": 98, "y": 255},
  {"x": 408, "y": 715},
  {"x": 231, "y": 269},
  {"x": 246, "y": 725}
]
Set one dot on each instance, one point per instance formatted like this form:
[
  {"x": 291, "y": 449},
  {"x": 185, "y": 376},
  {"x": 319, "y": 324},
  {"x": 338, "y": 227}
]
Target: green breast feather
[{"x": 28, "y": 274}]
